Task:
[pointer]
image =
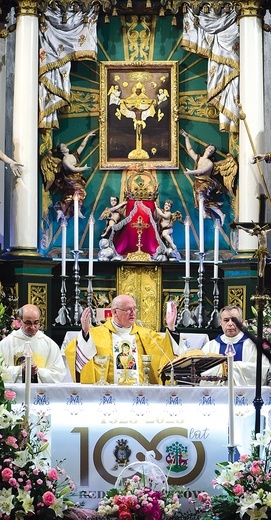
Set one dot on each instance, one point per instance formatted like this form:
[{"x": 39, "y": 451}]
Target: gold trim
[
  {"x": 237, "y": 295},
  {"x": 252, "y": 8},
  {"x": 37, "y": 294},
  {"x": 144, "y": 283},
  {"x": 150, "y": 75},
  {"x": 27, "y": 7}
]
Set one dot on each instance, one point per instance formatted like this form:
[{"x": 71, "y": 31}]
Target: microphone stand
[{"x": 172, "y": 374}]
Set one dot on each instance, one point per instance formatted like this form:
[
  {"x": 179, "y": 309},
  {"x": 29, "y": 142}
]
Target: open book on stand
[{"x": 189, "y": 367}]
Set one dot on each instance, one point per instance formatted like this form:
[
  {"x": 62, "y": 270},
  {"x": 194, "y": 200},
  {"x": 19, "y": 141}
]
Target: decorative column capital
[
  {"x": 252, "y": 8},
  {"x": 27, "y": 7}
]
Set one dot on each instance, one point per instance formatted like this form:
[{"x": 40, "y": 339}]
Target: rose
[
  {"x": 6, "y": 474},
  {"x": 11, "y": 441},
  {"x": 9, "y": 395},
  {"x": 48, "y": 498},
  {"x": 238, "y": 489},
  {"x": 52, "y": 474}
]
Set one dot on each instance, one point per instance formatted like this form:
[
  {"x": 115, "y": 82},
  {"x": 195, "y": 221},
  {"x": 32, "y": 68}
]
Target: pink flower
[
  {"x": 255, "y": 470},
  {"x": 204, "y": 497},
  {"x": 11, "y": 441},
  {"x": 39, "y": 481},
  {"x": 244, "y": 458},
  {"x": 9, "y": 395},
  {"x": 52, "y": 474},
  {"x": 48, "y": 498},
  {"x": 13, "y": 482},
  {"x": 7, "y": 474},
  {"x": 15, "y": 324},
  {"x": 238, "y": 489}
]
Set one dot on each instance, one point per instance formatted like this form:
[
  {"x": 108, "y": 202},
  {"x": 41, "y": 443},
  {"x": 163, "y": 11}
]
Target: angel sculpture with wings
[
  {"x": 204, "y": 182},
  {"x": 112, "y": 215},
  {"x": 166, "y": 221},
  {"x": 62, "y": 172}
]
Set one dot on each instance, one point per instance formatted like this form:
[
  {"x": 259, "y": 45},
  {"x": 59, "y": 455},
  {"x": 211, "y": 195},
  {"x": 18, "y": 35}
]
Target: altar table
[{"x": 96, "y": 430}]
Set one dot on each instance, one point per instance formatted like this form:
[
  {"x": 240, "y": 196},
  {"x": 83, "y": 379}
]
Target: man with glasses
[
  {"x": 109, "y": 338},
  {"x": 47, "y": 365}
]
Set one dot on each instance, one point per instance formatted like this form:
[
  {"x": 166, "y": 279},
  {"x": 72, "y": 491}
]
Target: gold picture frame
[{"x": 139, "y": 115}]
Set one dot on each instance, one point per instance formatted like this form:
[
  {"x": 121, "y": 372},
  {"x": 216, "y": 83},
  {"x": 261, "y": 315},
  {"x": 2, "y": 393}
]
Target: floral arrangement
[
  {"x": 252, "y": 324},
  {"x": 246, "y": 484},
  {"x": 139, "y": 499},
  {"x": 7, "y": 320},
  {"x": 28, "y": 485}
]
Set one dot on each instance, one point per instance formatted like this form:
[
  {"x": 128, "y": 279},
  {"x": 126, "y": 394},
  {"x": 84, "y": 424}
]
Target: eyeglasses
[
  {"x": 128, "y": 310},
  {"x": 29, "y": 323}
]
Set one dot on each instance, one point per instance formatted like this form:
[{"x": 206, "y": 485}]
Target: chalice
[
  {"x": 146, "y": 361},
  {"x": 125, "y": 379},
  {"x": 101, "y": 361}
]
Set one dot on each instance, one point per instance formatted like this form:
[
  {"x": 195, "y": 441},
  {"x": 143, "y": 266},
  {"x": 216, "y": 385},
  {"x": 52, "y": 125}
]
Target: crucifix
[
  {"x": 260, "y": 230},
  {"x": 140, "y": 225}
]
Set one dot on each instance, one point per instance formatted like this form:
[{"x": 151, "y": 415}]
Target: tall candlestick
[
  {"x": 76, "y": 222},
  {"x": 201, "y": 223},
  {"x": 187, "y": 223},
  {"x": 230, "y": 352},
  {"x": 27, "y": 353},
  {"x": 90, "y": 247},
  {"x": 216, "y": 247},
  {"x": 63, "y": 246}
]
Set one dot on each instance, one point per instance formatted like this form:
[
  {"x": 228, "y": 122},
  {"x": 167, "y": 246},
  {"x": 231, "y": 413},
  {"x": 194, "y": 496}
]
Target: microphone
[
  {"x": 258, "y": 341},
  {"x": 172, "y": 378}
]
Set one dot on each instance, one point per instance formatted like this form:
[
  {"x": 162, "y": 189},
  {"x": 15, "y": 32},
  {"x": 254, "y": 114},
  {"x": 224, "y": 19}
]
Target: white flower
[
  {"x": 249, "y": 502},
  {"x": 262, "y": 439},
  {"x": 22, "y": 458},
  {"x": 228, "y": 473},
  {"x": 26, "y": 501},
  {"x": 6, "y": 418},
  {"x": 258, "y": 514},
  {"x": 6, "y": 504},
  {"x": 58, "y": 506}
]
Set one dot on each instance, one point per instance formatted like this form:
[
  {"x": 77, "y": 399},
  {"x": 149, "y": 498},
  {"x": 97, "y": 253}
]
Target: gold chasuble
[{"x": 147, "y": 341}]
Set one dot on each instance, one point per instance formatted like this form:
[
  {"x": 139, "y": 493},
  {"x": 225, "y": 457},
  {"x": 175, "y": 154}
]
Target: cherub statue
[
  {"x": 112, "y": 215},
  {"x": 205, "y": 169},
  {"x": 62, "y": 172},
  {"x": 262, "y": 252},
  {"x": 166, "y": 221},
  {"x": 15, "y": 167}
]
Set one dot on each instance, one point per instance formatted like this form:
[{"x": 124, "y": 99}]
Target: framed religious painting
[{"x": 139, "y": 115}]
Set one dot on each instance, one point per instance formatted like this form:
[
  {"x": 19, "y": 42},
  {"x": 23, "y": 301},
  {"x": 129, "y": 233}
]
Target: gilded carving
[
  {"x": 194, "y": 105},
  {"x": 38, "y": 295},
  {"x": 83, "y": 102},
  {"x": 251, "y": 8},
  {"x": 237, "y": 296},
  {"x": 144, "y": 284},
  {"x": 28, "y": 7},
  {"x": 138, "y": 37}
]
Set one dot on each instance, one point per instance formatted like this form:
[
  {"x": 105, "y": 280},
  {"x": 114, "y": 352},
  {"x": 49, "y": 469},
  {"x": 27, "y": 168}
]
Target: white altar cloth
[{"x": 94, "y": 428}]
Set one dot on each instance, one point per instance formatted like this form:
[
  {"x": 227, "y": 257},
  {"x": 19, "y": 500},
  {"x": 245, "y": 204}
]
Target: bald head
[
  {"x": 124, "y": 310},
  {"x": 30, "y": 318}
]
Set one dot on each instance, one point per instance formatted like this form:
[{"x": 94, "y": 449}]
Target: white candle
[
  {"x": 76, "y": 222},
  {"x": 201, "y": 223},
  {"x": 230, "y": 352},
  {"x": 216, "y": 247},
  {"x": 187, "y": 223},
  {"x": 90, "y": 247},
  {"x": 63, "y": 246},
  {"x": 27, "y": 353}
]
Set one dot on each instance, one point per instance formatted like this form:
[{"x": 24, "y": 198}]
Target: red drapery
[{"x": 126, "y": 239}]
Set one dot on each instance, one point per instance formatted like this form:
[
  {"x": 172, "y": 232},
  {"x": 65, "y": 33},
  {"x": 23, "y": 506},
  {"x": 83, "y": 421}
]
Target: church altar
[{"x": 97, "y": 430}]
